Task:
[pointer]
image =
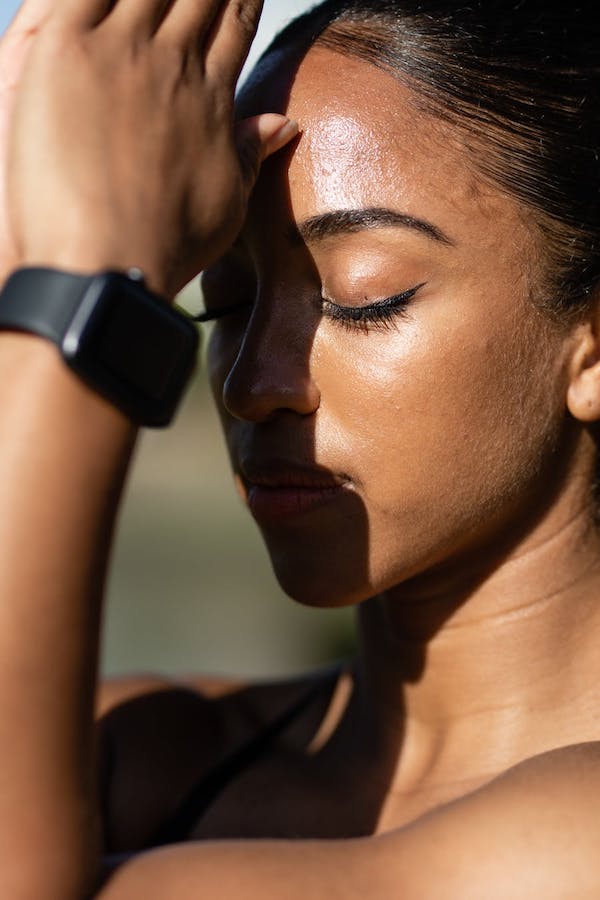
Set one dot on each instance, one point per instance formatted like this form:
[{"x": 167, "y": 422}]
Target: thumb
[{"x": 260, "y": 137}]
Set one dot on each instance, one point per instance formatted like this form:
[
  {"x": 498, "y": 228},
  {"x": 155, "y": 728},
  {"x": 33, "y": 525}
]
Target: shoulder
[
  {"x": 126, "y": 705},
  {"x": 533, "y": 832}
]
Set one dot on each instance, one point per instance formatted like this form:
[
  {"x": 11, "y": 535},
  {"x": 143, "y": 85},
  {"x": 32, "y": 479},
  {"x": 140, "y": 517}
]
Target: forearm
[
  {"x": 117, "y": 149},
  {"x": 63, "y": 456}
]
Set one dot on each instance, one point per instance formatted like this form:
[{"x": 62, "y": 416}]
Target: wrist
[
  {"x": 121, "y": 339},
  {"x": 39, "y": 387},
  {"x": 87, "y": 264}
]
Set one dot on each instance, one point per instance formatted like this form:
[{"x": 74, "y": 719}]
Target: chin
[
  {"x": 313, "y": 581},
  {"x": 320, "y": 556},
  {"x": 320, "y": 594}
]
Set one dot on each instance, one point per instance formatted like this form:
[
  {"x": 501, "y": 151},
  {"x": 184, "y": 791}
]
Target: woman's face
[{"x": 391, "y": 400}]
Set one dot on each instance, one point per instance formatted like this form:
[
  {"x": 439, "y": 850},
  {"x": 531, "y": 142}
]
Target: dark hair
[{"x": 520, "y": 79}]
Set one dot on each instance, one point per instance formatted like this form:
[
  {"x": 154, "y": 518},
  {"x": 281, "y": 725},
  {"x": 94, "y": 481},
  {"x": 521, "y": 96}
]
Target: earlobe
[{"x": 583, "y": 395}]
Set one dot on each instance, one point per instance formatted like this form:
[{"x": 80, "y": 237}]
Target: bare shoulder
[{"x": 533, "y": 832}]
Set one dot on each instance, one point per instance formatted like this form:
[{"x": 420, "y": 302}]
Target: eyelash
[{"x": 378, "y": 315}]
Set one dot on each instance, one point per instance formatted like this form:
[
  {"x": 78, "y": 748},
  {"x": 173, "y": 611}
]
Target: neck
[{"x": 474, "y": 677}]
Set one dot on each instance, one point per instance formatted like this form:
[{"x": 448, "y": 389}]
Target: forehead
[{"x": 366, "y": 143}]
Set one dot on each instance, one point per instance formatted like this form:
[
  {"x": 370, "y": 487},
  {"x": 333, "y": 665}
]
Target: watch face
[{"x": 132, "y": 347}]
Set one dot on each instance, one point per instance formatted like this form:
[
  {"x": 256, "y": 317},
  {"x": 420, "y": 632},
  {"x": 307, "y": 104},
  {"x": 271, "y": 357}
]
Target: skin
[
  {"x": 459, "y": 757},
  {"x": 443, "y": 520},
  {"x": 446, "y": 481}
]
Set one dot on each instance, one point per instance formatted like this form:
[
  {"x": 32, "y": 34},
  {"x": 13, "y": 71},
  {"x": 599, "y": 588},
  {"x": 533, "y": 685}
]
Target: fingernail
[{"x": 288, "y": 130}]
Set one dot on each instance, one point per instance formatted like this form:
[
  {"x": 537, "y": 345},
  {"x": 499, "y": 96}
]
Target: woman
[{"x": 406, "y": 361}]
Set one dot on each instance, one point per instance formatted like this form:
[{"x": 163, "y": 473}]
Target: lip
[{"x": 276, "y": 490}]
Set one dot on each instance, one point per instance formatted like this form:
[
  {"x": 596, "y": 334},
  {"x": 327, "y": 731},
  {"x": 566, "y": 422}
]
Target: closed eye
[{"x": 380, "y": 314}]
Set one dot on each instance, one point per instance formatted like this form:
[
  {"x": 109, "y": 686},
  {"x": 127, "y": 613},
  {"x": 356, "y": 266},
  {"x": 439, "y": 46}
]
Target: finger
[
  {"x": 260, "y": 137},
  {"x": 139, "y": 15},
  {"x": 231, "y": 40},
  {"x": 80, "y": 14},
  {"x": 188, "y": 21},
  {"x": 233, "y": 22}
]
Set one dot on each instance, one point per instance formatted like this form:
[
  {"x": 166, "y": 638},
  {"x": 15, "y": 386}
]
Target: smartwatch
[{"x": 124, "y": 341}]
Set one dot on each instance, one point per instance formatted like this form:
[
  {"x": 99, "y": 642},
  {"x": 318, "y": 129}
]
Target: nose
[{"x": 272, "y": 369}]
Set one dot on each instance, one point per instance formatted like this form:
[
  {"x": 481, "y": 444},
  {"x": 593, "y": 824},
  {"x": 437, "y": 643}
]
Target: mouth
[{"x": 275, "y": 490}]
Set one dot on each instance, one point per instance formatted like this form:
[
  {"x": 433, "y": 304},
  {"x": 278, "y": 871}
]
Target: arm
[
  {"x": 532, "y": 834},
  {"x": 64, "y": 454},
  {"x": 74, "y": 156}
]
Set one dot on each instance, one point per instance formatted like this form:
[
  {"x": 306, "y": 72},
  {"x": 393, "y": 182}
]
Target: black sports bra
[
  {"x": 178, "y": 827},
  {"x": 201, "y": 796}
]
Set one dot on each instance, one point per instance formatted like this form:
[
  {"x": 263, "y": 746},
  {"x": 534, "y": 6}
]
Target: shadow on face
[{"x": 393, "y": 404}]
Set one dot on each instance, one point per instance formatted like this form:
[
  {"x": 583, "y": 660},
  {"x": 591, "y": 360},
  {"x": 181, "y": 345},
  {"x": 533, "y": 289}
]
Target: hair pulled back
[{"x": 520, "y": 78}]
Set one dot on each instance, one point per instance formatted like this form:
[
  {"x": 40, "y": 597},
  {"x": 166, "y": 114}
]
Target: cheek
[{"x": 440, "y": 427}]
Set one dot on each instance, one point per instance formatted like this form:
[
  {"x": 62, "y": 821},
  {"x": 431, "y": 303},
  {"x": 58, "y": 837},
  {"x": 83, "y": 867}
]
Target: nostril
[
  {"x": 244, "y": 402},
  {"x": 271, "y": 369},
  {"x": 257, "y": 396}
]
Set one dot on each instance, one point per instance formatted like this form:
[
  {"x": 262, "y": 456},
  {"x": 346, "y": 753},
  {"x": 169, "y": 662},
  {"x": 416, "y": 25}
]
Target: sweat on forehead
[{"x": 522, "y": 90}]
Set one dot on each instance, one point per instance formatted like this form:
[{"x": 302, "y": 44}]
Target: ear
[{"x": 583, "y": 395}]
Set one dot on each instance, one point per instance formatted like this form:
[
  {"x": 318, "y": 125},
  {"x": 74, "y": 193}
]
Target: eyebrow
[{"x": 350, "y": 221}]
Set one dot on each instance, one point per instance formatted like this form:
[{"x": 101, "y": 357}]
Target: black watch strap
[
  {"x": 42, "y": 301},
  {"x": 124, "y": 341}
]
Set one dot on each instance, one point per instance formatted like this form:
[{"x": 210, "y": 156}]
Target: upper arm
[{"x": 532, "y": 834}]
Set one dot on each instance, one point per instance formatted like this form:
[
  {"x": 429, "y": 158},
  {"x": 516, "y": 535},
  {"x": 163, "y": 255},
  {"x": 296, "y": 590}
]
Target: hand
[
  {"x": 123, "y": 150},
  {"x": 14, "y": 47}
]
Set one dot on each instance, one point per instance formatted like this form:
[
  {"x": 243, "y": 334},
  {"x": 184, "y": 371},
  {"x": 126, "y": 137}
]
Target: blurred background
[{"x": 191, "y": 589}]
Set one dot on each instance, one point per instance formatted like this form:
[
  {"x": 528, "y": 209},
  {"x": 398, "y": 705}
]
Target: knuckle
[
  {"x": 57, "y": 31},
  {"x": 60, "y": 45},
  {"x": 178, "y": 59},
  {"x": 176, "y": 70}
]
